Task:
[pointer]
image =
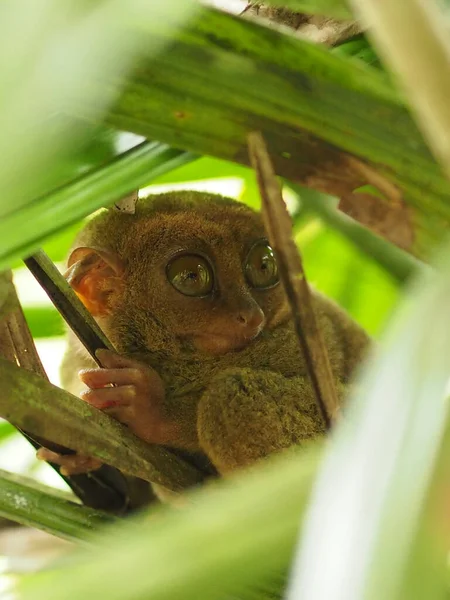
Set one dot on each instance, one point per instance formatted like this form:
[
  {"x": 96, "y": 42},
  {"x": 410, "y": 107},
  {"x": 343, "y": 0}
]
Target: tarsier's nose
[{"x": 252, "y": 318}]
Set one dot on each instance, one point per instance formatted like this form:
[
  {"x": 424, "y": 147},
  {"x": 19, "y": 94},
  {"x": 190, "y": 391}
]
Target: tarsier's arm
[{"x": 245, "y": 415}]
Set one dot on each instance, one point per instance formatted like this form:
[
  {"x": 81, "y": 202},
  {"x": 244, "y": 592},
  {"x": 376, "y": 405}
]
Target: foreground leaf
[
  {"x": 387, "y": 468},
  {"x": 231, "y": 542}
]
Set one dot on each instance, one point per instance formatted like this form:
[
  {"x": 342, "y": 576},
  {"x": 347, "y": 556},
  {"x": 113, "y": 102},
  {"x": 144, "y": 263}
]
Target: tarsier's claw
[{"x": 71, "y": 464}]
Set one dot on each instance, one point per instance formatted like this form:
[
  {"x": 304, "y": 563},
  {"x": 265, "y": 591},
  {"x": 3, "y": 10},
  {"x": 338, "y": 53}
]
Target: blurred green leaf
[
  {"x": 225, "y": 543},
  {"x": 383, "y": 460},
  {"x": 22, "y": 231},
  {"x": 70, "y": 48},
  {"x": 360, "y": 48},
  {"x": 6, "y": 431}
]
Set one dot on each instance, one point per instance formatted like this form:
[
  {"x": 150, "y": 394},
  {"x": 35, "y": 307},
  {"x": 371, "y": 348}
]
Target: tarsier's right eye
[{"x": 191, "y": 275}]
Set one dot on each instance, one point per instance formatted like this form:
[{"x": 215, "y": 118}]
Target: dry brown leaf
[
  {"x": 391, "y": 221},
  {"x": 318, "y": 29}
]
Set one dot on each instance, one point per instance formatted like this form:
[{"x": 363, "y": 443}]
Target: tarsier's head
[{"x": 188, "y": 272}]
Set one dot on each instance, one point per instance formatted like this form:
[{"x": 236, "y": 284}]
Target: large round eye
[
  {"x": 191, "y": 275},
  {"x": 261, "y": 267}
]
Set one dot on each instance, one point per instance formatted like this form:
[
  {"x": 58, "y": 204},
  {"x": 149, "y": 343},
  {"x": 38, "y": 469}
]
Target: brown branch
[
  {"x": 67, "y": 303},
  {"x": 279, "y": 227}
]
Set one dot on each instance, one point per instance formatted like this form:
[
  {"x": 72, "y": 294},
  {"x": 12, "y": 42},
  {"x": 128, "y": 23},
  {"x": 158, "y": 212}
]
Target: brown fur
[{"x": 237, "y": 406}]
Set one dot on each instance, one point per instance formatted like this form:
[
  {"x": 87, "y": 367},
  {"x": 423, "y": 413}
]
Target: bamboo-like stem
[
  {"x": 24, "y": 501},
  {"x": 279, "y": 228},
  {"x": 412, "y": 38}
]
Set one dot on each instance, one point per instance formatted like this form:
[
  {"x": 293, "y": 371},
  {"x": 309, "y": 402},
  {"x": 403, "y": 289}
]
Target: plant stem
[{"x": 34, "y": 505}]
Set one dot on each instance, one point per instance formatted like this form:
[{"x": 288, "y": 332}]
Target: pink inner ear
[
  {"x": 110, "y": 258},
  {"x": 91, "y": 274}
]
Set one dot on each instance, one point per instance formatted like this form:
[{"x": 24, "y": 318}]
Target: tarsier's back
[{"x": 189, "y": 287}]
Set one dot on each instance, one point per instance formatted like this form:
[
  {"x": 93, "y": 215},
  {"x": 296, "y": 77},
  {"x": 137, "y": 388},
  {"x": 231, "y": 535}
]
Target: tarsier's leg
[{"x": 246, "y": 415}]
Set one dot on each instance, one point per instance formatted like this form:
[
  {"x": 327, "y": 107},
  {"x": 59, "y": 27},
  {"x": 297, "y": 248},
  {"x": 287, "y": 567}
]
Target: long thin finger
[
  {"x": 107, "y": 397},
  {"x": 99, "y": 378}
]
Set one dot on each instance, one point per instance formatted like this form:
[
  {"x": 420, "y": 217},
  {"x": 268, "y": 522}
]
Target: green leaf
[
  {"x": 6, "y": 431},
  {"x": 66, "y": 45},
  {"x": 35, "y": 505},
  {"x": 22, "y": 231},
  {"x": 312, "y": 106}
]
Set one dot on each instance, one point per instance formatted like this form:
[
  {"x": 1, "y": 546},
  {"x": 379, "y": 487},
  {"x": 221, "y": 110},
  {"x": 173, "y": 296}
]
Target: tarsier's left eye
[
  {"x": 261, "y": 267},
  {"x": 191, "y": 275}
]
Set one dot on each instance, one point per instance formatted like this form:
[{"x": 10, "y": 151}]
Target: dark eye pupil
[
  {"x": 261, "y": 266},
  {"x": 191, "y": 275}
]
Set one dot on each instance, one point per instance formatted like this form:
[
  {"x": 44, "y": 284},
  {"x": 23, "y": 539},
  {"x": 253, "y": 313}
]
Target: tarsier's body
[{"x": 227, "y": 377}]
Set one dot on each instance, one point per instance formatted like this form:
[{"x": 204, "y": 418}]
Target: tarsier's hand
[
  {"x": 132, "y": 393},
  {"x": 135, "y": 400}
]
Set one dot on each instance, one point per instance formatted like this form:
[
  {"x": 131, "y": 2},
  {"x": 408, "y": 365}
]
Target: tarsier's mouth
[{"x": 221, "y": 344}]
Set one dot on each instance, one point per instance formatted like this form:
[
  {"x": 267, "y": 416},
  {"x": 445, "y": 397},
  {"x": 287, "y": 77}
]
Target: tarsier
[{"x": 188, "y": 291}]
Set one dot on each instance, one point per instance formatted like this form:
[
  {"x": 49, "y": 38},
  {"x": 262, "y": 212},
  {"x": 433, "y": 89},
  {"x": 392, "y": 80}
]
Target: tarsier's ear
[{"x": 95, "y": 275}]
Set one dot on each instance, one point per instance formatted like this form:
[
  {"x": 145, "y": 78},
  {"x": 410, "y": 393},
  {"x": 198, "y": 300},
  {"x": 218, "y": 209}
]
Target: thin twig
[
  {"x": 279, "y": 228},
  {"x": 67, "y": 303}
]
